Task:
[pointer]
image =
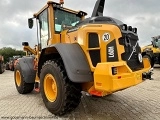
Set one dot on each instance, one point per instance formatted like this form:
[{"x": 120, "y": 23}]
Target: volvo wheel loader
[
  {"x": 99, "y": 55},
  {"x": 152, "y": 52},
  {"x": 2, "y": 65}
]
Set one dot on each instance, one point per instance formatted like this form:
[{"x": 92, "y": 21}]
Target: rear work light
[
  {"x": 124, "y": 27},
  {"x": 114, "y": 70}
]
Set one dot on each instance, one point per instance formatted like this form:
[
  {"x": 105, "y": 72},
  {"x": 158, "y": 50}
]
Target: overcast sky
[{"x": 143, "y": 14}]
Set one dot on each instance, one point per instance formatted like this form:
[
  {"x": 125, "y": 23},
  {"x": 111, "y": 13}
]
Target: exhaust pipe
[{"x": 98, "y": 8}]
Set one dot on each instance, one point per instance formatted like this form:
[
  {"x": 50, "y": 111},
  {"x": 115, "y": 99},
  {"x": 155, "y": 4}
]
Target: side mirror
[
  {"x": 30, "y": 23},
  {"x": 25, "y": 44}
]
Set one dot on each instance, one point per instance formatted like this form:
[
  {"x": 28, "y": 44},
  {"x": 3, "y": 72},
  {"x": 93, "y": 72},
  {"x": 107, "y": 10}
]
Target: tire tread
[{"x": 72, "y": 90}]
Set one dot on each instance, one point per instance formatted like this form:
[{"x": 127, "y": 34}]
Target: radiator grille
[
  {"x": 95, "y": 57},
  {"x": 93, "y": 42}
]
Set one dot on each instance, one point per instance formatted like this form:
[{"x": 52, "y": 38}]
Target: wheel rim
[
  {"x": 50, "y": 87},
  {"x": 18, "y": 78}
]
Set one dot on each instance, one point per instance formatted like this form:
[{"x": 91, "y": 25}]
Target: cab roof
[{"x": 58, "y": 5}]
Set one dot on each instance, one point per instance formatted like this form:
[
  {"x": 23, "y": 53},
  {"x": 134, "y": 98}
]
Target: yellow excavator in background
[
  {"x": 152, "y": 51},
  {"x": 99, "y": 55}
]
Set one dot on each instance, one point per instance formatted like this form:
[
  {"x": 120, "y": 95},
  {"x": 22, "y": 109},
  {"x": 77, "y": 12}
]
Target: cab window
[{"x": 64, "y": 18}]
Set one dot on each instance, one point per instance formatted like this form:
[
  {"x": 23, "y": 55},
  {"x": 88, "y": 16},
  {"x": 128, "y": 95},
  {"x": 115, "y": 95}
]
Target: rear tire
[
  {"x": 150, "y": 60},
  {"x": 21, "y": 85},
  {"x": 60, "y": 95}
]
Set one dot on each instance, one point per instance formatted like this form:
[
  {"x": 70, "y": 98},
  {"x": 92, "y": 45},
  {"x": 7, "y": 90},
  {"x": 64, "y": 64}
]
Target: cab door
[{"x": 44, "y": 28}]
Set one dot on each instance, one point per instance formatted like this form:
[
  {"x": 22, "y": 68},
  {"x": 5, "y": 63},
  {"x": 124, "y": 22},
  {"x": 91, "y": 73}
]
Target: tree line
[{"x": 7, "y": 52}]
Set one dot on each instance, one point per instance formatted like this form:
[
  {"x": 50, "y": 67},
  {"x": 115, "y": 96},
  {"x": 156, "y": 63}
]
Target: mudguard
[
  {"x": 150, "y": 54},
  {"x": 26, "y": 66},
  {"x": 75, "y": 62}
]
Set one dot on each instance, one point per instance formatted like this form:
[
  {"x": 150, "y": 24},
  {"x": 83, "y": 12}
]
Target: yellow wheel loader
[
  {"x": 99, "y": 55},
  {"x": 152, "y": 52}
]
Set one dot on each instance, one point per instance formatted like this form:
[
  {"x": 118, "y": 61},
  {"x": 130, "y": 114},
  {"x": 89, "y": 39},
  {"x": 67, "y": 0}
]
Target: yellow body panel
[
  {"x": 104, "y": 80},
  {"x": 81, "y": 37}
]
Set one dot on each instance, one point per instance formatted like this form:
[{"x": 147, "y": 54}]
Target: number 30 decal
[{"x": 106, "y": 36}]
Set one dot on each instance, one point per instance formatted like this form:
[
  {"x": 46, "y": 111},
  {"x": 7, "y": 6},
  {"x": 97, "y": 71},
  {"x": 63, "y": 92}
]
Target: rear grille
[
  {"x": 93, "y": 42},
  {"x": 129, "y": 41},
  {"x": 95, "y": 57}
]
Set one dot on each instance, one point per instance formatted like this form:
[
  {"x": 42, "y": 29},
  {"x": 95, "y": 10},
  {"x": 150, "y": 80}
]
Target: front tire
[
  {"x": 21, "y": 85},
  {"x": 59, "y": 94}
]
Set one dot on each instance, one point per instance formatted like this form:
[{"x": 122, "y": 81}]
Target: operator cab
[{"x": 52, "y": 19}]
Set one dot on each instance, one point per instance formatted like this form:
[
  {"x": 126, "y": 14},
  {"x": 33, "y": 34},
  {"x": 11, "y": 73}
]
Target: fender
[
  {"x": 149, "y": 53},
  {"x": 74, "y": 59},
  {"x": 26, "y": 66},
  {"x": 147, "y": 50}
]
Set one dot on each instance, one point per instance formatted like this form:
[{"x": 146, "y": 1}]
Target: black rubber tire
[
  {"x": 12, "y": 68},
  {"x": 1, "y": 68},
  {"x": 69, "y": 95},
  {"x": 24, "y": 87},
  {"x": 150, "y": 60}
]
